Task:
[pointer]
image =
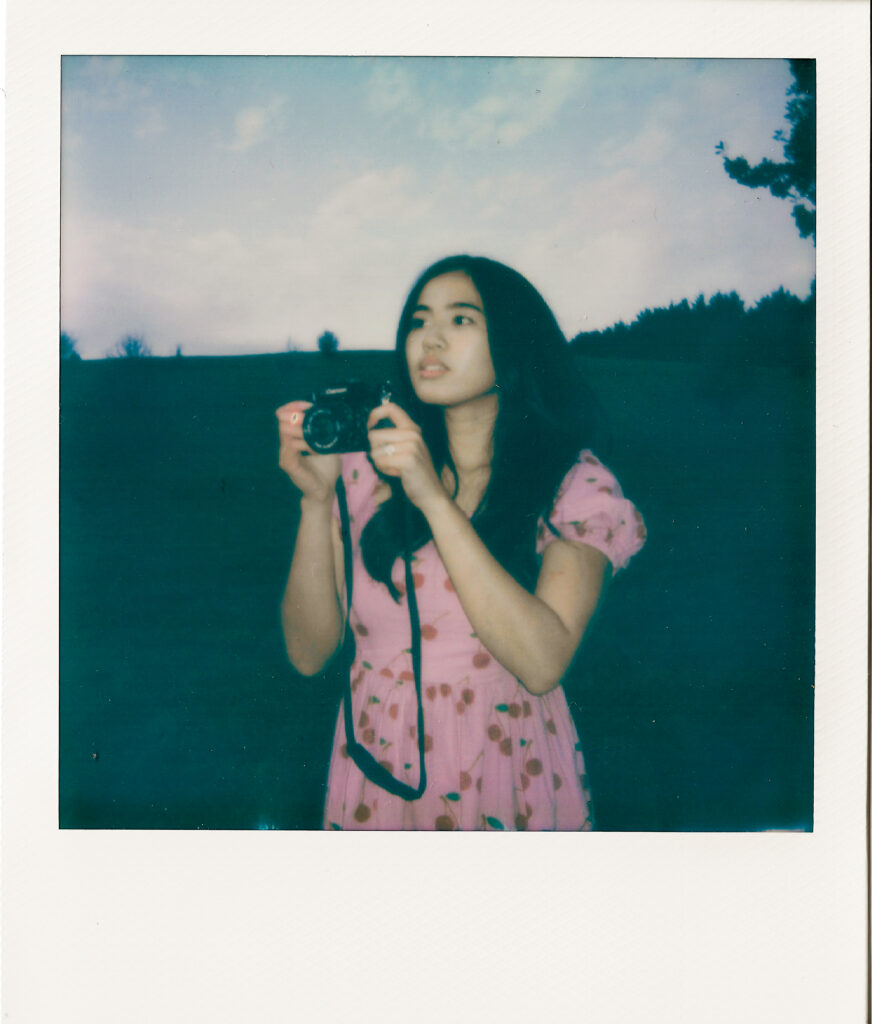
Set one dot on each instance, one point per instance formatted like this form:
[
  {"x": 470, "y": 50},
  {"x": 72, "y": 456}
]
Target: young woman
[{"x": 514, "y": 525}]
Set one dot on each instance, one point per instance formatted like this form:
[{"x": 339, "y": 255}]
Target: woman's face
[{"x": 447, "y": 347}]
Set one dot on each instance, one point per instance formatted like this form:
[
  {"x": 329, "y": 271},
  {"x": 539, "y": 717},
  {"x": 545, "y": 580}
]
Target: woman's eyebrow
[{"x": 453, "y": 305}]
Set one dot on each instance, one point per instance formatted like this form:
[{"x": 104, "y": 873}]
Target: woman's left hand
[{"x": 400, "y": 451}]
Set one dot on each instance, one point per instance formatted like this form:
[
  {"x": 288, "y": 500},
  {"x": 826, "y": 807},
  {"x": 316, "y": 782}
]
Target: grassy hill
[{"x": 179, "y": 710}]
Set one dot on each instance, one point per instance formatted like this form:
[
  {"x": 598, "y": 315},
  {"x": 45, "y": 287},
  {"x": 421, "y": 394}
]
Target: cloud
[
  {"x": 390, "y": 88},
  {"x": 206, "y": 291},
  {"x": 375, "y": 198},
  {"x": 241, "y": 288},
  {"x": 253, "y": 125},
  {"x": 107, "y": 86},
  {"x": 103, "y": 84},
  {"x": 517, "y": 98}
]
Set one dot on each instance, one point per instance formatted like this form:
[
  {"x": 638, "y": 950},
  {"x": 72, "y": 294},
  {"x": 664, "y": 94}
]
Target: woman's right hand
[{"x": 314, "y": 475}]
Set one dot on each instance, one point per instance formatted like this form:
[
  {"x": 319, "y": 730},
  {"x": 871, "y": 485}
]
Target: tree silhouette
[
  {"x": 778, "y": 331},
  {"x": 794, "y": 177},
  {"x": 68, "y": 347},
  {"x": 328, "y": 343},
  {"x": 130, "y": 347},
  {"x": 785, "y": 327}
]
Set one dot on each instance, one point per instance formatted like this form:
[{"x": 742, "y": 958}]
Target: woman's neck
[{"x": 470, "y": 430}]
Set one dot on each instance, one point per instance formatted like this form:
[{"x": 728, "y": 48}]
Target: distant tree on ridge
[
  {"x": 130, "y": 347},
  {"x": 68, "y": 347},
  {"x": 328, "y": 343}
]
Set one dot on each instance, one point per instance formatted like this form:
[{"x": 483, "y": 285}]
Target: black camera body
[{"x": 336, "y": 421}]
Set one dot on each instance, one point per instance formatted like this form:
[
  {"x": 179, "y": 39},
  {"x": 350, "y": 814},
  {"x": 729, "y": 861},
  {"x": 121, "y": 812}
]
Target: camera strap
[{"x": 364, "y": 760}]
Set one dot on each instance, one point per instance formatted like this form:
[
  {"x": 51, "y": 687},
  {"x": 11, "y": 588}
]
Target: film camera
[{"x": 336, "y": 421}]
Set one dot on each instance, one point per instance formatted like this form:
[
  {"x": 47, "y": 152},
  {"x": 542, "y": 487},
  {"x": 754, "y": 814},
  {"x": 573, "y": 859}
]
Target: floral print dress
[{"x": 497, "y": 757}]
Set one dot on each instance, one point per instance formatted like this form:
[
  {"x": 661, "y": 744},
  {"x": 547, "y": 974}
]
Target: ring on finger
[
  {"x": 294, "y": 417},
  {"x": 388, "y": 449}
]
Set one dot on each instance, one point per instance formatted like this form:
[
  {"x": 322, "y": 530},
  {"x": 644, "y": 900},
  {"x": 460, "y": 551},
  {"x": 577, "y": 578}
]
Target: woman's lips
[{"x": 432, "y": 370}]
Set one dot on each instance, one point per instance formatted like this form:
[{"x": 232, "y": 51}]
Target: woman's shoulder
[
  {"x": 590, "y": 507},
  {"x": 588, "y": 475}
]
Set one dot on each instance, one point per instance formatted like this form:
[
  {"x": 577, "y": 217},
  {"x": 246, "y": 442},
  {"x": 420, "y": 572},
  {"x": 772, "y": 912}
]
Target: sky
[{"x": 232, "y": 205}]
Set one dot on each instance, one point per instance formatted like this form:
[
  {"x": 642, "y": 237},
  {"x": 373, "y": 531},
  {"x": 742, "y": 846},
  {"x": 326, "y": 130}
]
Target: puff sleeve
[{"x": 591, "y": 508}]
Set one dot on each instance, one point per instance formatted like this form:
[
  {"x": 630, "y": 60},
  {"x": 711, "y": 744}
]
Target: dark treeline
[{"x": 778, "y": 331}]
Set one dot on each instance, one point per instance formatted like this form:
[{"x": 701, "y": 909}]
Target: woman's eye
[
  {"x": 416, "y": 324},
  {"x": 460, "y": 319}
]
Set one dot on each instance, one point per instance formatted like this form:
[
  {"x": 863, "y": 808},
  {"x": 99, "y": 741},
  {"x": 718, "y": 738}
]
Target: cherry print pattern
[
  {"x": 498, "y": 758},
  {"x": 429, "y": 631}
]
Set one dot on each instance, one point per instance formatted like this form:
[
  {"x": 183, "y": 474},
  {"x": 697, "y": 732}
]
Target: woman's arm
[
  {"x": 313, "y": 620},
  {"x": 535, "y": 636}
]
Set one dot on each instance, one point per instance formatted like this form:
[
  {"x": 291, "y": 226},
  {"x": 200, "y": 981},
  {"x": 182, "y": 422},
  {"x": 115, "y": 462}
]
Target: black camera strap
[{"x": 364, "y": 760}]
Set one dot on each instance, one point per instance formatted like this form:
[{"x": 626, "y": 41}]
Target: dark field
[{"x": 694, "y": 688}]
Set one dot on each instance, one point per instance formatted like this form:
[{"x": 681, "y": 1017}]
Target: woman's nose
[{"x": 433, "y": 337}]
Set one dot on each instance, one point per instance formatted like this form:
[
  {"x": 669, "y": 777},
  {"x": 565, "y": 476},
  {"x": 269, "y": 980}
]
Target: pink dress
[{"x": 497, "y": 757}]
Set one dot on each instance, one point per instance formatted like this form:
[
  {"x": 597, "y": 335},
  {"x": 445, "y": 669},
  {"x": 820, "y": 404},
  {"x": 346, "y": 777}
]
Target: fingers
[
  {"x": 392, "y": 448},
  {"x": 290, "y": 419},
  {"x": 286, "y": 411},
  {"x": 391, "y": 435},
  {"x": 297, "y": 445},
  {"x": 293, "y": 413},
  {"x": 293, "y": 456},
  {"x": 397, "y": 452},
  {"x": 391, "y": 411}
]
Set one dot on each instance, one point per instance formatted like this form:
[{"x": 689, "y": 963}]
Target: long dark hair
[{"x": 546, "y": 415}]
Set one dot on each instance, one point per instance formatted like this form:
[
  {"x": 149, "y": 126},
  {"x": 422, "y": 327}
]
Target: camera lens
[{"x": 321, "y": 429}]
